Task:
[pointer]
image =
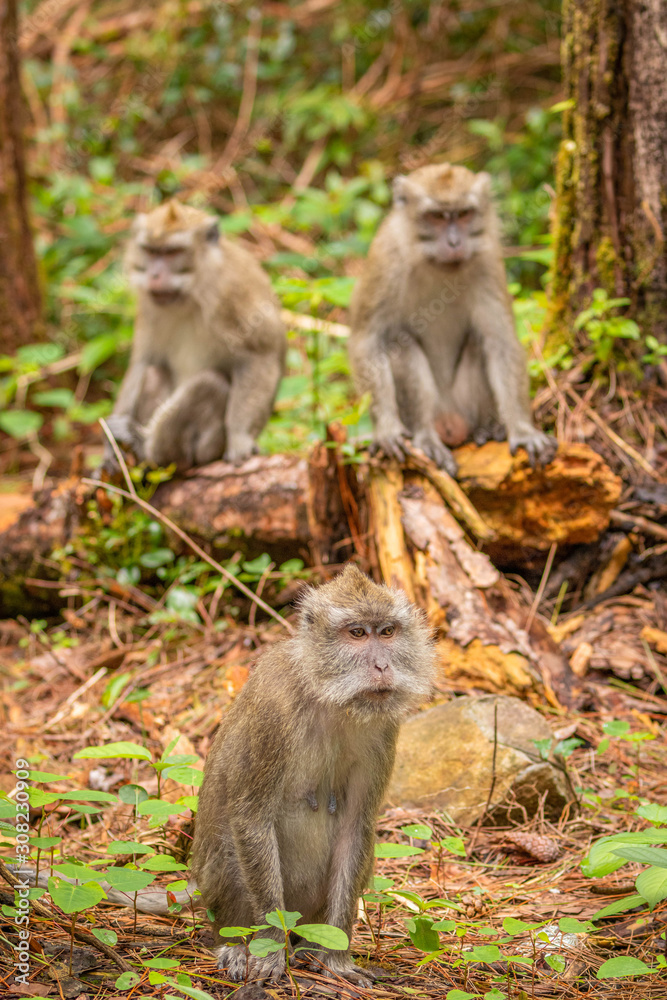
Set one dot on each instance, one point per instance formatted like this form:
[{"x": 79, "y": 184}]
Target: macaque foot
[
  {"x": 494, "y": 433},
  {"x": 346, "y": 969},
  {"x": 389, "y": 440},
  {"x": 240, "y": 448},
  {"x": 234, "y": 960},
  {"x": 539, "y": 447},
  {"x": 430, "y": 443}
]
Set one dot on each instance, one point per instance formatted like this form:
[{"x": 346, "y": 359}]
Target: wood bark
[
  {"x": 611, "y": 203},
  {"x": 20, "y": 300}
]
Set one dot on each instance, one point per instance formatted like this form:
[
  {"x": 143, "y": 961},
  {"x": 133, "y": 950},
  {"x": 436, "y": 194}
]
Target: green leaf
[
  {"x": 483, "y": 953},
  {"x": 122, "y": 749},
  {"x": 162, "y": 863},
  {"x": 40, "y": 776},
  {"x": 161, "y": 963},
  {"x": 53, "y": 397},
  {"x": 264, "y": 946},
  {"x": 513, "y": 926},
  {"x": 461, "y": 995},
  {"x": 87, "y": 795},
  {"x": 324, "y": 934},
  {"x": 568, "y": 925},
  {"x": 75, "y": 898},
  {"x": 652, "y": 885},
  {"x": 40, "y": 354},
  {"x": 96, "y": 351},
  {"x": 283, "y": 919},
  {"x": 45, "y": 842},
  {"x": 128, "y": 879},
  {"x": 185, "y": 775},
  {"x": 556, "y": 962},
  {"x": 652, "y": 812},
  {"x": 454, "y": 845},
  {"x": 396, "y": 851},
  {"x": 417, "y": 830},
  {"x": 616, "y": 727},
  {"x": 447, "y": 926},
  {"x": 646, "y": 855},
  {"x": 128, "y": 847},
  {"x": 236, "y": 931},
  {"x": 105, "y": 935},
  {"x": 132, "y": 795},
  {"x": 20, "y": 423},
  {"x": 156, "y": 557},
  {"x": 422, "y": 934},
  {"x": 623, "y": 965},
  {"x": 80, "y": 872},
  {"x": 127, "y": 980},
  {"x": 619, "y": 906},
  {"x": 158, "y": 809}
]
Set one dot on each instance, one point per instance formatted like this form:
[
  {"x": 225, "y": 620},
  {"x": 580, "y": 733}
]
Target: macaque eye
[
  {"x": 357, "y": 632},
  {"x": 466, "y": 216},
  {"x": 436, "y": 218},
  {"x": 387, "y": 630}
]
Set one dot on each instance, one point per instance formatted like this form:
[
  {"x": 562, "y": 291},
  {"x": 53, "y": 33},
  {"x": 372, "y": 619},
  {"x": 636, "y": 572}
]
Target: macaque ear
[
  {"x": 138, "y": 223},
  {"x": 401, "y": 190},
  {"x": 211, "y": 232},
  {"x": 482, "y": 186}
]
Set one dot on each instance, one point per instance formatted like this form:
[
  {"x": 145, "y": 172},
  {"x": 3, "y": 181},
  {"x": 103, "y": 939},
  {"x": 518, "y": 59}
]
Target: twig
[
  {"x": 62, "y": 712},
  {"x": 80, "y": 935},
  {"x": 540, "y": 590},
  {"x": 119, "y": 458},
  {"x": 298, "y": 322},
  {"x": 193, "y": 545},
  {"x": 451, "y": 493},
  {"x": 625, "y": 520},
  {"x": 248, "y": 96},
  {"x": 631, "y": 452}
]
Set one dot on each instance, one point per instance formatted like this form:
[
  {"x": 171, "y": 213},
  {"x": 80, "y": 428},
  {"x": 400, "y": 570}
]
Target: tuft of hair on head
[
  {"x": 446, "y": 183},
  {"x": 352, "y": 595},
  {"x": 174, "y": 217}
]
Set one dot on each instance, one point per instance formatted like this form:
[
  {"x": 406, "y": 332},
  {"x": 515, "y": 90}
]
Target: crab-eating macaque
[
  {"x": 298, "y": 769},
  {"x": 433, "y": 334},
  {"x": 209, "y": 344}
]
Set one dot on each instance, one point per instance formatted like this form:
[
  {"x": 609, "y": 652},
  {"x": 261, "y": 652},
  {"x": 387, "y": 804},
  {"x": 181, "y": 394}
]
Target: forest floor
[{"x": 514, "y": 910}]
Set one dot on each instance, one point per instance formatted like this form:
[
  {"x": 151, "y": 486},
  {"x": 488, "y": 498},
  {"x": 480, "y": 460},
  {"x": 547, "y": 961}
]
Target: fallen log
[{"x": 318, "y": 509}]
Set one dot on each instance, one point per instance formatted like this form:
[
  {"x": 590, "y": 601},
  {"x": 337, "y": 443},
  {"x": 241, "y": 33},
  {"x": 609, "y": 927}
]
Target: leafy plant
[{"x": 604, "y": 330}]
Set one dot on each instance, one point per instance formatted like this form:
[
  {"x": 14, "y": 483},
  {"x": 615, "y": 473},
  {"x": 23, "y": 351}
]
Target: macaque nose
[
  {"x": 453, "y": 236},
  {"x": 381, "y": 668}
]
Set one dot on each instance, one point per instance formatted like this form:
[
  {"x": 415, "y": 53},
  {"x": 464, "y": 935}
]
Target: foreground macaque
[
  {"x": 298, "y": 769},
  {"x": 433, "y": 335},
  {"x": 208, "y": 346}
]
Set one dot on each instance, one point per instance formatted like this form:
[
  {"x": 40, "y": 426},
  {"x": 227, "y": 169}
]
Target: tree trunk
[
  {"x": 20, "y": 300},
  {"x": 611, "y": 183}
]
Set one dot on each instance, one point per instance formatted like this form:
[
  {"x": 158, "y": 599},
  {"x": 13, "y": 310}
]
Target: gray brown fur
[
  {"x": 299, "y": 767},
  {"x": 209, "y": 344},
  {"x": 433, "y": 336}
]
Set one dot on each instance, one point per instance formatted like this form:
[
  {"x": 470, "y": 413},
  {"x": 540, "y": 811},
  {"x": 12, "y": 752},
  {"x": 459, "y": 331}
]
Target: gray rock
[{"x": 445, "y": 756}]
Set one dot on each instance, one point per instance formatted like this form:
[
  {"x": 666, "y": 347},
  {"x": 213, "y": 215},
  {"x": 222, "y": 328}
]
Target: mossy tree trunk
[
  {"x": 611, "y": 206},
  {"x": 20, "y": 300}
]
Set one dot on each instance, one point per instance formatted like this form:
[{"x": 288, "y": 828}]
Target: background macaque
[
  {"x": 208, "y": 346},
  {"x": 433, "y": 335},
  {"x": 298, "y": 769}
]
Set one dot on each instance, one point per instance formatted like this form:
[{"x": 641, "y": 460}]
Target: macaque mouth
[{"x": 165, "y": 298}]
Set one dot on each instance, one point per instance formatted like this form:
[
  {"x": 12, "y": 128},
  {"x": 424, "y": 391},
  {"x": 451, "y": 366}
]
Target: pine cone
[{"x": 542, "y": 848}]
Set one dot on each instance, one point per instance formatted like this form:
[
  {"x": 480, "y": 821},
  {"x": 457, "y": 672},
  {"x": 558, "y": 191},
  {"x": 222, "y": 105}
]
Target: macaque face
[
  {"x": 164, "y": 270},
  {"x": 164, "y": 257},
  {"x": 449, "y": 235}
]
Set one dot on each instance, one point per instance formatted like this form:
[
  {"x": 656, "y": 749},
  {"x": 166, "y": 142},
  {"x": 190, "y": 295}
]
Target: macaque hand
[
  {"x": 389, "y": 440},
  {"x": 539, "y": 447},
  {"x": 430, "y": 442}
]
